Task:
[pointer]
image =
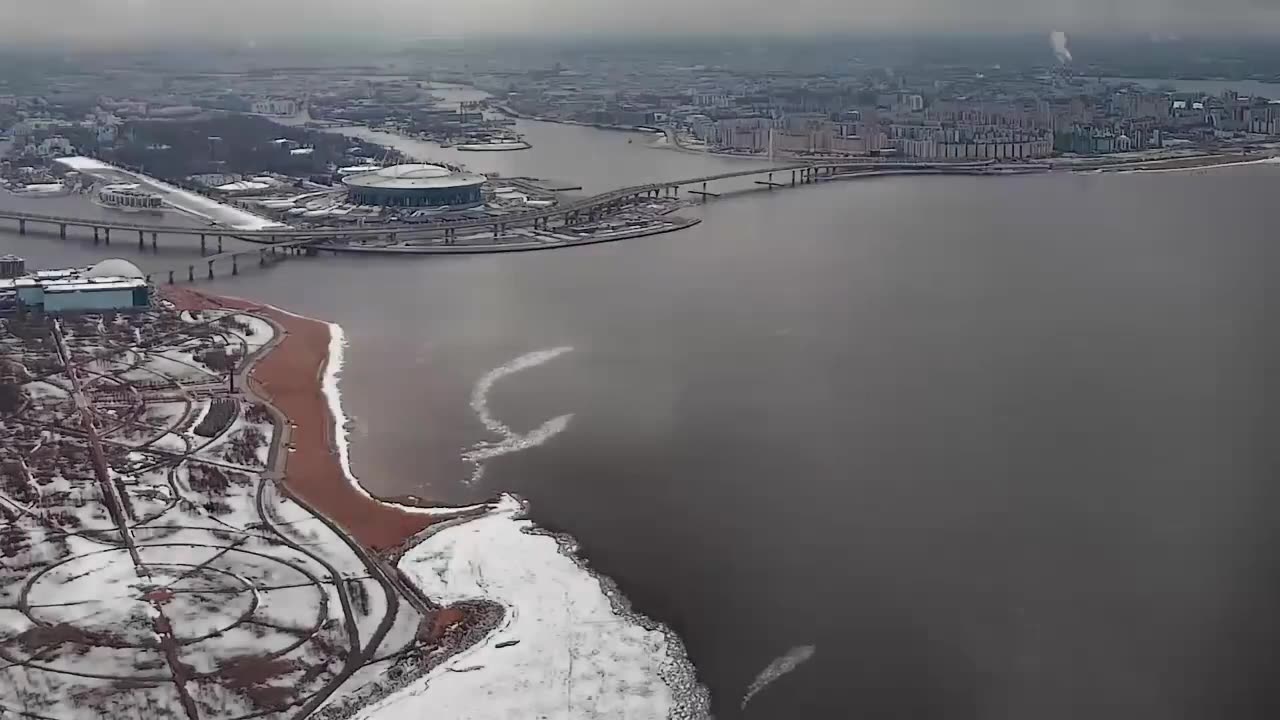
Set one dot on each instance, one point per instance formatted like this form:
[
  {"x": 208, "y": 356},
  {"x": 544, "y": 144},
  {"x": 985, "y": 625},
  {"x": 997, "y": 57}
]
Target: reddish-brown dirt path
[{"x": 291, "y": 376}]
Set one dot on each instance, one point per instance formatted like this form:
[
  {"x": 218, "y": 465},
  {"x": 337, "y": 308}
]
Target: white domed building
[
  {"x": 111, "y": 285},
  {"x": 115, "y": 268},
  {"x": 415, "y": 185}
]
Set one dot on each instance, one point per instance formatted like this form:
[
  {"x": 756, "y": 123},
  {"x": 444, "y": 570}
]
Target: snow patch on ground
[
  {"x": 579, "y": 652},
  {"x": 259, "y": 331},
  {"x": 207, "y": 208},
  {"x": 1193, "y": 168},
  {"x": 80, "y": 163}
]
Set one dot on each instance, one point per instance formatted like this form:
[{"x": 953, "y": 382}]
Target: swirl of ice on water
[
  {"x": 509, "y": 440},
  {"x": 782, "y": 665}
]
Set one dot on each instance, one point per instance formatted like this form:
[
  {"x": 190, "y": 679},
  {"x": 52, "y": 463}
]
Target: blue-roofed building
[{"x": 111, "y": 285}]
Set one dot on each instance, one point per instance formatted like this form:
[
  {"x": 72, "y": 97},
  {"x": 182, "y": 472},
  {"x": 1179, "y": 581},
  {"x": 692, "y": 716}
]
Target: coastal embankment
[
  {"x": 296, "y": 376},
  {"x": 566, "y": 643},
  {"x": 534, "y": 240}
]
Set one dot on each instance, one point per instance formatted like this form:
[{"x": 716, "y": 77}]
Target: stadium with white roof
[{"x": 415, "y": 185}]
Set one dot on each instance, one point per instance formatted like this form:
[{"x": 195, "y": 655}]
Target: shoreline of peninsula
[{"x": 497, "y": 581}]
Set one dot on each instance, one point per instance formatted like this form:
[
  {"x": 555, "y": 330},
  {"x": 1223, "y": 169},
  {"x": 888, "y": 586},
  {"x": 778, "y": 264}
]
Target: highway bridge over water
[{"x": 280, "y": 242}]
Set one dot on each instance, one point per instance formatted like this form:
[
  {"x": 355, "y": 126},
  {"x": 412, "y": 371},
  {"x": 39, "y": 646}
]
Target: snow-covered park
[{"x": 177, "y": 579}]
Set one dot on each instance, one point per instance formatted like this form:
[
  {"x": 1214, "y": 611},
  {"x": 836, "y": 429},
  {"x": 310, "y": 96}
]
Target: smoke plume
[{"x": 1058, "y": 40}]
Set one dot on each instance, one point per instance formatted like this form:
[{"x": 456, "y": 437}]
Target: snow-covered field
[
  {"x": 567, "y": 647},
  {"x": 195, "y": 204},
  {"x": 266, "y": 606}
]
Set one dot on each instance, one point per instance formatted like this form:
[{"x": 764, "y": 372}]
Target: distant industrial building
[
  {"x": 111, "y": 285},
  {"x": 275, "y": 106},
  {"x": 415, "y": 185}
]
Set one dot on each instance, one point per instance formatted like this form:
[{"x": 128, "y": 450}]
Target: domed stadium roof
[
  {"x": 115, "y": 267},
  {"x": 415, "y": 176}
]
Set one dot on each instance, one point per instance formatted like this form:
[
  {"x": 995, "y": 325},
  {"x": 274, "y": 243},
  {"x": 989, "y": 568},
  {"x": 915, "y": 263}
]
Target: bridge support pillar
[
  {"x": 154, "y": 248},
  {"x": 202, "y": 245},
  {"x": 235, "y": 269},
  {"x": 210, "y": 269},
  {"x": 219, "y": 243},
  {"x": 142, "y": 241},
  {"x": 793, "y": 178},
  {"x": 704, "y": 192},
  {"x": 170, "y": 277},
  {"x": 95, "y": 236},
  {"x": 62, "y": 230},
  {"x": 262, "y": 258},
  {"x": 22, "y": 227},
  {"x": 106, "y": 236}
]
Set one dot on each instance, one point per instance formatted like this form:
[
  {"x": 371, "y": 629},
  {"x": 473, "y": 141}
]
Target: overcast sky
[{"x": 113, "y": 21}]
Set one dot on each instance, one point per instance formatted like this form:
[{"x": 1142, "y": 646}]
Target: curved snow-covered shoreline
[
  {"x": 569, "y": 644},
  {"x": 576, "y": 637},
  {"x": 329, "y": 387}
]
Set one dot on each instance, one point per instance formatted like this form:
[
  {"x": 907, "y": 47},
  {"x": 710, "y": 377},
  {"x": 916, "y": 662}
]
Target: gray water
[
  {"x": 1208, "y": 87},
  {"x": 997, "y": 447},
  {"x": 596, "y": 160}
]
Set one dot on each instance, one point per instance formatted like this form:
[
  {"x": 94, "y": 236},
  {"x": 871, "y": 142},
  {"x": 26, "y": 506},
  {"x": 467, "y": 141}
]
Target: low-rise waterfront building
[
  {"x": 111, "y": 285},
  {"x": 275, "y": 106},
  {"x": 129, "y": 196}
]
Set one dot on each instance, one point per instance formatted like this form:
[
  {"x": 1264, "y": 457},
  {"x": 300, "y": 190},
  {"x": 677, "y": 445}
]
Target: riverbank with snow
[{"x": 568, "y": 646}]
